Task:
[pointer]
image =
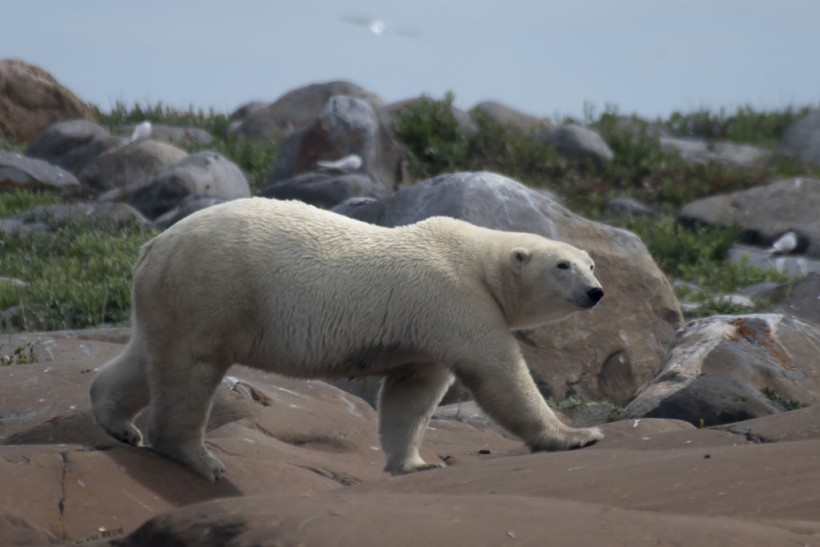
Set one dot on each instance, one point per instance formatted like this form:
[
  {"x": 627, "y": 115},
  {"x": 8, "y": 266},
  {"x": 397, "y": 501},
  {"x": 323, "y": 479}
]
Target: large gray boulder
[
  {"x": 131, "y": 166},
  {"x": 726, "y": 153},
  {"x": 46, "y": 218},
  {"x": 324, "y": 189},
  {"x": 605, "y": 354},
  {"x": 293, "y": 110},
  {"x": 801, "y": 141},
  {"x": 20, "y": 172},
  {"x": 72, "y": 144},
  {"x": 346, "y": 125},
  {"x": 765, "y": 213},
  {"x": 205, "y": 174},
  {"x": 725, "y": 369},
  {"x": 576, "y": 141}
]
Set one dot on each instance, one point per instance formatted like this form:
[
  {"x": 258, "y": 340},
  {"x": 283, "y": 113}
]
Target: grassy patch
[
  {"x": 786, "y": 404},
  {"x": 78, "y": 276},
  {"x": 17, "y": 201}
]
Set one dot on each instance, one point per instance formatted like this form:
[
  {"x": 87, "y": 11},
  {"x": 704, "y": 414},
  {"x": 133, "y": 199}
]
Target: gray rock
[
  {"x": 718, "y": 367},
  {"x": 588, "y": 355},
  {"x": 504, "y": 115},
  {"x": 627, "y": 207},
  {"x": 794, "y": 265},
  {"x": 727, "y": 153},
  {"x": 55, "y": 215},
  {"x": 346, "y": 125},
  {"x": 181, "y": 136},
  {"x": 801, "y": 141},
  {"x": 20, "y": 172},
  {"x": 325, "y": 190},
  {"x": 576, "y": 141},
  {"x": 293, "y": 110},
  {"x": 205, "y": 174},
  {"x": 765, "y": 213},
  {"x": 187, "y": 206},
  {"x": 72, "y": 144},
  {"x": 803, "y": 301},
  {"x": 129, "y": 166}
]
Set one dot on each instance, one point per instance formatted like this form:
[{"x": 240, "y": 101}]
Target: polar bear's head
[{"x": 551, "y": 280}]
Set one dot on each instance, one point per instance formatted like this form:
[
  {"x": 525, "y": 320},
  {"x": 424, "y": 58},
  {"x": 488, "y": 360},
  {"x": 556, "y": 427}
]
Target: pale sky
[{"x": 544, "y": 57}]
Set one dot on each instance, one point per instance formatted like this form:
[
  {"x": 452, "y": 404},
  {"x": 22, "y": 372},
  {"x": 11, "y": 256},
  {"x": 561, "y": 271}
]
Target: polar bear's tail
[{"x": 120, "y": 390}]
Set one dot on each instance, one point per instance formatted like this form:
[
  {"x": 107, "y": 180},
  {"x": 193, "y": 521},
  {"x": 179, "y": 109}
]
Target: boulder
[
  {"x": 45, "y": 218},
  {"x": 504, "y": 115},
  {"x": 726, "y": 153},
  {"x": 180, "y": 136},
  {"x": 803, "y": 300},
  {"x": 765, "y": 213},
  {"x": 605, "y": 354},
  {"x": 801, "y": 141},
  {"x": 576, "y": 141},
  {"x": 20, "y": 172},
  {"x": 238, "y": 116},
  {"x": 293, "y": 110},
  {"x": 72, "y": 144},
  {"x": 130, "y": 166},
  {"x": 326, "y": 190},
  {"x": 725, "y": 369},
  {"x": 795, "y": 265},
  {"x": 203, "y": 174},
  {"x": 31, "y": 99},
  {"x": 345, "y": 125},
  {"x": 187, "y": 206}
]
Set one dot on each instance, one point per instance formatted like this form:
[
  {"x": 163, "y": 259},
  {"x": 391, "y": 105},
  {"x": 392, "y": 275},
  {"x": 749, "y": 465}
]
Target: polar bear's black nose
[{"x": 595, "y": 294}]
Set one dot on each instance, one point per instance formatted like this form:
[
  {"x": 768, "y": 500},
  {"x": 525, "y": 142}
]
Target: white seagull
[
  {"x": 784, "y": 244},
  {"x": 347, "y": 164},
  {"x": 141, "y": 131}
]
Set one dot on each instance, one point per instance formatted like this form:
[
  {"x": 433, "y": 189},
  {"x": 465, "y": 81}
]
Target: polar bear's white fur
[{"x": 285, "y": 287}]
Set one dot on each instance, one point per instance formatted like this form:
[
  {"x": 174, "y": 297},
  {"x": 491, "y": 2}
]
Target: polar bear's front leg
[
  {"x": 407, "y": 400},
  {"x": 502, "y": 386}
]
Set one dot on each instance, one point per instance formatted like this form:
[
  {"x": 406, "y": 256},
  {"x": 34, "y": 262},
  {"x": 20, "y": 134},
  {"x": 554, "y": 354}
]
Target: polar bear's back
[{"x": 323, "y": 288}]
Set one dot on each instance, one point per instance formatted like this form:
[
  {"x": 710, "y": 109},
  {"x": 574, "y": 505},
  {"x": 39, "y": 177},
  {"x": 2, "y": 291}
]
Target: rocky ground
[
  {"x": 712, "y": 430},
  {"x": 304, "y": 468}
]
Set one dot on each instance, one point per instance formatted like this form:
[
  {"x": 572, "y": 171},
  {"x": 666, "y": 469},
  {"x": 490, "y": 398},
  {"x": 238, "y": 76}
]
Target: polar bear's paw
[
  {"x": 197, "y": 458},
  {"x": 414, "y": 467},
  {"x": 125, "y": 432},
  {"x": 567, "y": 439}
]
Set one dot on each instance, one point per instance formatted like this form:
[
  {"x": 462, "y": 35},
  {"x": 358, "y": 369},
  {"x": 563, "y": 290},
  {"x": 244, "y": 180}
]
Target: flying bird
[
  {"x": 379, "y": 27},
  {"x": 347, "y": 164},
  {"x": 141, "y": 131}
]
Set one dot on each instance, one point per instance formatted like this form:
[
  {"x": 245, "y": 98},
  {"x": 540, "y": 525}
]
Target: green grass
[
  {"x": 786, "y": 404},
  {"x": 17, "y": 201},
  {"x": 79, "y": 276}
]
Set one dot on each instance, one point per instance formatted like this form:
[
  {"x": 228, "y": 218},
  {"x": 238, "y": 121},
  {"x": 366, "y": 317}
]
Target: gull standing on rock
[
  {"x": 347, "y": 164},
  {"x": 141, "y": 131},
  {"x": 784, "y": 244}
]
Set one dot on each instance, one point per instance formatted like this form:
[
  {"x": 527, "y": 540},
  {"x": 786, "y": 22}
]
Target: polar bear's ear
[{"x": 518, "y": 257}]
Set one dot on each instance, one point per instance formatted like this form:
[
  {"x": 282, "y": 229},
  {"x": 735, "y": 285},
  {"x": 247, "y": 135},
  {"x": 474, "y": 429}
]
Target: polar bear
[{"x": 289, "y": 288}]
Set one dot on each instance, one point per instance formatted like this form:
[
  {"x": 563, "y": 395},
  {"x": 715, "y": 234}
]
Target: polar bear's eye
[
  {"x": 563, "y": 265},
  {"x": 592, "y": 266}
]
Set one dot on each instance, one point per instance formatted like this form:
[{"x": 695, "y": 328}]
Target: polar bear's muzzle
[{"x": 590, "y": 298}]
